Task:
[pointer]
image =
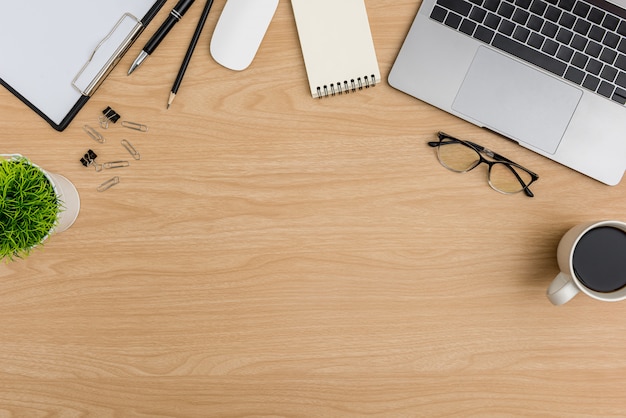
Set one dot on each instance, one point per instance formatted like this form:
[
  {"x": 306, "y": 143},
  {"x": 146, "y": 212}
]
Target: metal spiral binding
[{"x": 353, "y": 85}]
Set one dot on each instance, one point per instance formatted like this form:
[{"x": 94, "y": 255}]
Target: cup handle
[{"x": 562, "y": 289}]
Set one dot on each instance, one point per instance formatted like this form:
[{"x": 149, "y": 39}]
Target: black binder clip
[
  {"x": 109, "y": 115},
  {"x": 89, "y": 158}
]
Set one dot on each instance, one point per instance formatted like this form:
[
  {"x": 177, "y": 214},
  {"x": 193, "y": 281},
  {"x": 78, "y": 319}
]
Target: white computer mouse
[{"x": 240, "y": 30}]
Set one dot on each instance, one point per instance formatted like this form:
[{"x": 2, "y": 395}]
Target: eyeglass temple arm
[
  {"x": 497, "y": 156},
  {"x": 479, "y": 148}
]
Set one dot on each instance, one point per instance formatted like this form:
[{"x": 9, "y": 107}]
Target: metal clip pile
[{"x": 110, "y": 116}]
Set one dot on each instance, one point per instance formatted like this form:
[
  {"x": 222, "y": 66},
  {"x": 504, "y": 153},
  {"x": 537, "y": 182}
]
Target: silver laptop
[{"x": 548, "y": 74}]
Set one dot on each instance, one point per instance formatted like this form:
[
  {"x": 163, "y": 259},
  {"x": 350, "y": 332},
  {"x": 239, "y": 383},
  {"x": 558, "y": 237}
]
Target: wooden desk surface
[{"x": 276, "y": 255}]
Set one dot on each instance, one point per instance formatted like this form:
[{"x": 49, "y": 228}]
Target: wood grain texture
[{"x": 276, "y": 255}]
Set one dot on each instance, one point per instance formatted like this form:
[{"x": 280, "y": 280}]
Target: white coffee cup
[{"x": 569, "y": 282}]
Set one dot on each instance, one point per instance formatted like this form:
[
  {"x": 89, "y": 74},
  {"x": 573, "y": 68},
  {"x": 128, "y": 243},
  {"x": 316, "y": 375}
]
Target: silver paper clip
[
  {"x": 116, "y": 164},
  {"x": 131, "y": 149},
  {"x": 108, "y": 184},
  {"x": 112, "y": 164},
  {"x": 135, "y": 126},
  {"x": 93, "y": 134},
  {"x": 104, "y": 122}
]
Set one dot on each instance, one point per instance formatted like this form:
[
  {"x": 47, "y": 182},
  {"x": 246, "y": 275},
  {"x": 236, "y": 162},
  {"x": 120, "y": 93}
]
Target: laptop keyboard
[{"x": 569, "y": 38}]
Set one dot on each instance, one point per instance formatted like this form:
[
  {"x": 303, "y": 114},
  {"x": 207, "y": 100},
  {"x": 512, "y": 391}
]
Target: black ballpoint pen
[
  {"x": 189, "y": 53},
  {"x": 175, "y": 15}
]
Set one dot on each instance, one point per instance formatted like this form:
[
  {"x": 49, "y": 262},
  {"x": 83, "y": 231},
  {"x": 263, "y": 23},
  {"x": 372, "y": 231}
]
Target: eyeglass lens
[
  {"x": 456, "y": 156},
  {"x": 460, "y": 157}
]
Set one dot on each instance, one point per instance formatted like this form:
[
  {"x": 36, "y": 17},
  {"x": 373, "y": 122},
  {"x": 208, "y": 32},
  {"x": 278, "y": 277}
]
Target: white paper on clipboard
[{"x": 45, "y": 44}]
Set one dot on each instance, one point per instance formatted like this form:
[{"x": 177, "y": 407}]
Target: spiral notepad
[{"x": 337, "y": 46}]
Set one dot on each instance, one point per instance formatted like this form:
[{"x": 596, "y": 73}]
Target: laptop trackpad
[{"x": 516, "y": 100}]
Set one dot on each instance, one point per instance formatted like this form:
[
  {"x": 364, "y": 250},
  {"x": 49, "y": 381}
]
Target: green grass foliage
[{"x": 29, "y": 207}]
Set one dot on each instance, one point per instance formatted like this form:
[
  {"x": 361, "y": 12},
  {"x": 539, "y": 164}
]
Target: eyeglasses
[{"x": 503, "y": 175}]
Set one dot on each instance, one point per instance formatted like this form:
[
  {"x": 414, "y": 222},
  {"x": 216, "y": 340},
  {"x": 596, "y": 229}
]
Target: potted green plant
[{"x": 33, "y": 205}]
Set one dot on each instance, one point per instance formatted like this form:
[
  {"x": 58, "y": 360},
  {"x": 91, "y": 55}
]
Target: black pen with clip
[{"x": 175, "y": 15}]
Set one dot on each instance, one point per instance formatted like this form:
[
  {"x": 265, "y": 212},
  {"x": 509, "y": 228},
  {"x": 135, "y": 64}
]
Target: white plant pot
[{"x": 68, "y": 196}]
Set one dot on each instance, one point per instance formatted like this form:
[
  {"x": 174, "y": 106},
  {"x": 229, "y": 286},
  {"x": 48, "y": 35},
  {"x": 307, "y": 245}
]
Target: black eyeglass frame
[{"x": 499, "y": 159}]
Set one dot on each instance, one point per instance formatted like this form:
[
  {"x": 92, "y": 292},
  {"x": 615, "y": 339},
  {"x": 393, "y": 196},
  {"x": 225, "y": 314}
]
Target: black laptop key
[
  {"x": 483, "y": 34},
  {"x": 467, "y": 27},
  {"x": 608, "y": 55},
  {"x": 582, "y": 26},
  {"x": 491, "y": 5},
  {"x": 529, "y": 54},
  {"x": 564, "y": 36},
  {"x": 597, "y": 33},
  {"x": 565, "y": 53},
  {"x": 581, "y": 9},
  {"x": 549, "y": 29},
  {"x": 550, "y": 47},
  {"x": 591, "y": 82},
  {"x": 477, "y": 15},
  {"x": 538, "y": 7},
  {"x": 611, "y": 40},
  {"x": 521, "y": 16},
  {"x": 459, "y": 6},
  {"x": 536, "y": 40},
  {"x": 579, "y": 43},
  {"x": 438, "y": 14},
  {"x": 521, "y": 34},
  {"x": 608, "y": 73},
  {"x": 506, "y": 10},
  {"x": 596, "y": 16},
  {"x": 535, "y": 23},
  {"x": 492, "y": 21},
  {"x": 610, "y": 22},
  {"x": 594, "y": 66},
  {"x": 567, "y": 4},
  {"x": 579, "y": 60},
  {"x": 506, "y": 27},
  {"x": 593, "y": 49},
  {"x": 574, "y": 75},
  {"x": 567, "y": 20},
  {"x": 606, "y": 89},
  {"x": 553, "y": 14},
  {"x": 453, "y": 20}
]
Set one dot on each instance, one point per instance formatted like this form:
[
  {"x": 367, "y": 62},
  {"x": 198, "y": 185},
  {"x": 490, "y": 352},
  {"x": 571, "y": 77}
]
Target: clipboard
[{"x": 55, "y": 54}]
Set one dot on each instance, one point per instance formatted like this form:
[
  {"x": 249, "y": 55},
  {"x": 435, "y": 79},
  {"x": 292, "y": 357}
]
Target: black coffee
[{"x": 600, "y": 259}]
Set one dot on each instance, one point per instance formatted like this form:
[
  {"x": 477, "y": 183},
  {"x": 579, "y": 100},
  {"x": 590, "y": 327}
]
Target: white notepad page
[
  {"x": 336, "y": 44},
  {"x": 44, "y": 44}
]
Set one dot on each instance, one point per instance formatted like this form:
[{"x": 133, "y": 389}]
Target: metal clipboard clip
[{"x": 107, "y": 54}]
